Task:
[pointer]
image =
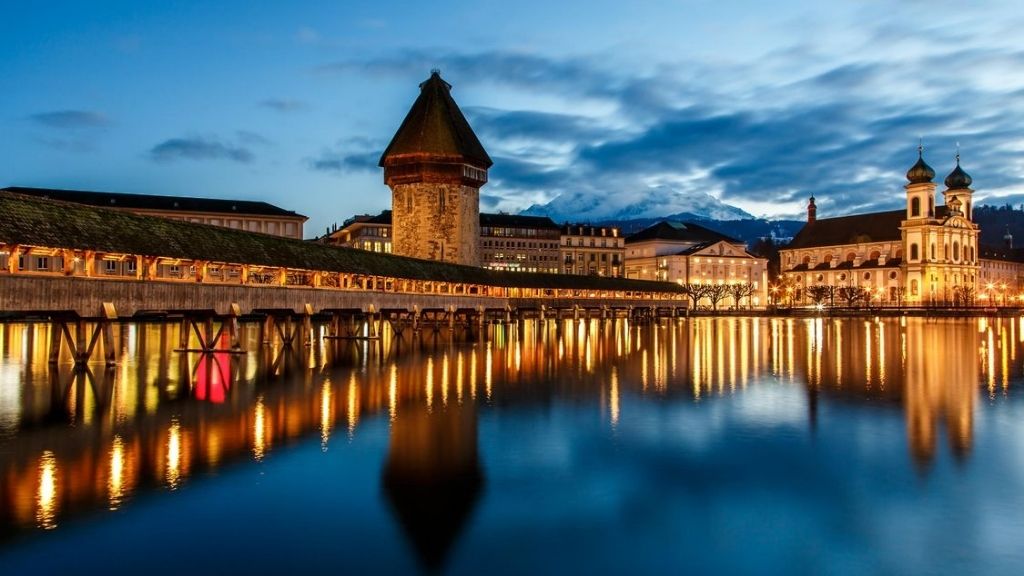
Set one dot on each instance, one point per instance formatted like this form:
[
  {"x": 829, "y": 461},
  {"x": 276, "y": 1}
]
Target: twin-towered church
[{"x": 918, "y": 255}]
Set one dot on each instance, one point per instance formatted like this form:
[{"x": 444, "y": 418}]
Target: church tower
[
  {"x": 435, "y": 167},
  {"x": 920, "y": 189},
  {"x": 958, "y": 187}
]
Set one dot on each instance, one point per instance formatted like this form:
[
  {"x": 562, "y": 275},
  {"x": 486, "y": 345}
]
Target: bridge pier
[{"x": 82, "y": 344}]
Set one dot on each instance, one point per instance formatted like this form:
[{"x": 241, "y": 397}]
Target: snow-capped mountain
[{"x": 654, "y": 202}]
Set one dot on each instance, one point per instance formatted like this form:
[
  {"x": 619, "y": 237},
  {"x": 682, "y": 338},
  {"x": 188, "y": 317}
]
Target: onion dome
[
  {"x": 958, "y": 179},
  {"x": 920, "y": 172}
]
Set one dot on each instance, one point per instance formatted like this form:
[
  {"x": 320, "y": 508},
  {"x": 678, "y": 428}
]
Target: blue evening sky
[{"x": 606, "y": 104}]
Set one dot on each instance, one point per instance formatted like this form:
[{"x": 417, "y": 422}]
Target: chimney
[{"x": 812, "y": 211}]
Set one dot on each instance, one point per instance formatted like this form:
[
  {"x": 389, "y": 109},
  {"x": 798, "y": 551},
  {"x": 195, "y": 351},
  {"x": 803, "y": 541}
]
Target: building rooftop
[
  {"x": 436, "y": 126},
  {"x": 517, "y": 221},
  {"x": 855, "y": 229},
  {"x": 155, "y": 202},
  {"x": 679, "y": 232},
  {"x": 34, "y": 221}
]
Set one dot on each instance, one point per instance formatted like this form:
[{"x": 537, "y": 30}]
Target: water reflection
[{"x": 81, "y": 441}]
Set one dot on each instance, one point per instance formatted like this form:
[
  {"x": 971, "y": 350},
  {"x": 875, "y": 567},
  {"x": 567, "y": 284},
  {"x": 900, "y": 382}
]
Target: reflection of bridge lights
[
  {"x": 428, "y": 385},
  {"x": 46, "y": 499},
  {"x": 613, "y": 402},
  {"x": 259, "y": 438},
  {"x": 325, "y": 414},
  {"x": 353, "y": 404},
  {"x": 173, "y": 469},
  {"x": 393, "y": 392},
  {"x": 115, "y": 484}
]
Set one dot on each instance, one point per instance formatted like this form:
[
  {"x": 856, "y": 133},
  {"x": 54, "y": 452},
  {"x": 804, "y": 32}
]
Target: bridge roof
[{"x": 32, "y": 221}]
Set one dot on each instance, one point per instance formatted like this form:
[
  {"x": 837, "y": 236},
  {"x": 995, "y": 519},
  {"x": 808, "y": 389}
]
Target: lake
[{"x": 706, "y": 445}]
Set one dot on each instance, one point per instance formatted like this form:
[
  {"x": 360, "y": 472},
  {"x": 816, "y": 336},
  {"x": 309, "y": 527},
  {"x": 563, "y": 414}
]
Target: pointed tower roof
[{"x": 435, "y": 126}]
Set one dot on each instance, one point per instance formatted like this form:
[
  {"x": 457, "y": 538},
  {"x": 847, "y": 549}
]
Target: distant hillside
[
  {"x": 749, "y": 230},
  {"x": 996, "y": 220}
]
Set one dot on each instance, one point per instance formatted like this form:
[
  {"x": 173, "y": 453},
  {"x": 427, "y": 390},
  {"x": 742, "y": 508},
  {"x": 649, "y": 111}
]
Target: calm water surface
[{"x": 732, "y": 445}]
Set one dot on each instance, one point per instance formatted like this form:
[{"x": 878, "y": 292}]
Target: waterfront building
[
  {"x": 687, "y": 253},
  {"x": 249, "y": 215},
  {"x": 435, "y": 167},
  {"x": 920, "y": 254},
  {"x": 506, "y": 241},
  {"x": 364, "y": 232},
  {"x": 519, "y": 243},
  {"x": 596, "y": 250}
]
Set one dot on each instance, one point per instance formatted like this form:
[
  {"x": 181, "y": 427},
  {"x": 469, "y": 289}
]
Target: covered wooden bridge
[{"x": 69, "y": 261}]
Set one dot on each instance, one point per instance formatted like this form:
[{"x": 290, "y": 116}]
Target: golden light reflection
[
  {"x": 393, "y": 391},
  {"x": 352, "y": 405},
  {"x": 172, "y": 471},
  {"x": 259, "y": 429},
  {"x": 115, "y": 482},
  {"x": 613, "y": 402},
  {"x": 325, "y": 414},
  {"x": 46, "y": 497}
]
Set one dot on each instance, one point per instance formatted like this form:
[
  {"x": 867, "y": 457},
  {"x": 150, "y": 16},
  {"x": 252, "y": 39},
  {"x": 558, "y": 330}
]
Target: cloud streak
[
  {"x": 844, "y": 132},
  {"x": 199, "y": 148},
  {"x": 70, "y": 119}
]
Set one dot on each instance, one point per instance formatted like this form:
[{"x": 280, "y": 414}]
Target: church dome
[
  {"x": 920, "y": 172},
  {"x": 958, "y": 179}
]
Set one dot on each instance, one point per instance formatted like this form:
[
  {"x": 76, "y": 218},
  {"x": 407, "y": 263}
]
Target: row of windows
[
  {"x": 592, "y": 242},
  {"x": 968, "y": 252},
  {"x": 519, "y": 232},
  {"x": 290, "y": 229},
  {"x": 519, "y": 256},
  {"x": 519, "y": 244}
]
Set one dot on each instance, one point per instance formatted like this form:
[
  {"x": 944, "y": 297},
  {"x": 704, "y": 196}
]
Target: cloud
[
  {"x": 70, "y": 119},
  {"x": 199, "y": 148},
  {"x": 284, "y": 105},
  {"x": 762, "y": 134},
  {"x": 355, "y": 154}
]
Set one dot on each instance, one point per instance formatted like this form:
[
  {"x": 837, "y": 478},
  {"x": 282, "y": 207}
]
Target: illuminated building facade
[
  {"x": 918, "y": 255},
  {"x": 691, "y": 254},
  {"x": 519, "y": 243},
  {"x": 593, "y": 250}
]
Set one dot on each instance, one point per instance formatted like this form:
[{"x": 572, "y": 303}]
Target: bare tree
[
  {"x": 851, "y": 294},
  {"x": 739, "y": 292},
  {"x": 820, "y": 293},
  {"x": 715, "y": 293},
  {"x": 696, "y": 292},
  {"x": 963, "y": 295}
]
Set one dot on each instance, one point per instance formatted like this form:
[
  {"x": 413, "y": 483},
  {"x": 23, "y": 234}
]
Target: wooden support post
[
  {"x": 183, "y": 333},
  {"x": 68, "y": 256},
  {"x": 109, "y": 317},
  {"x": 81, "y": 345},
  {"x": 56, "y": 331},
  {"x": 12, "y": 259},
  {"x": 266, "y": 330},
  {"x": 307, "y": 326},
  {"x": 233, "y": 331},
  {"x": 207, "y": 340}
]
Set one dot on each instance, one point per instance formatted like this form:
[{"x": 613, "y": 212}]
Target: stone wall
[{"x": 435, "y": 221}]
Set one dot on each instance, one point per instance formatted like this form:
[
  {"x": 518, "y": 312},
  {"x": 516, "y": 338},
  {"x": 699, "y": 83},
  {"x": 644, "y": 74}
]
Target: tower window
[
  {"x": 915, "y": 207},
  {"x": 913, "y": 252}
]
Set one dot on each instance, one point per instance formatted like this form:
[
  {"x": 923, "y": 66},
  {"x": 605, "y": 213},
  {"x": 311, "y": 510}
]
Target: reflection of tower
[
  {"x": 433, "y": 476},
  {"x": 435, "y": 166},
  {"x": 939, "y": 390}
]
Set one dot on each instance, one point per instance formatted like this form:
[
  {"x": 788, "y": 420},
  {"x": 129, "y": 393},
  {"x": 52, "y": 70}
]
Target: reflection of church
[{"x": 922, "y": 253}]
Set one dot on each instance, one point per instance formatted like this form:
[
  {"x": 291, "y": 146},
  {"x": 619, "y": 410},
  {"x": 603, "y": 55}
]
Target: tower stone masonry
[{"x": 435, "y": 167}]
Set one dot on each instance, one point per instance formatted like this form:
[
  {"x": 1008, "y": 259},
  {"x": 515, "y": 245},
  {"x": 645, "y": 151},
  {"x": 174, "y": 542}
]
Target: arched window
[
  {"x": 956, "y": 251},
  {"x": 850, "y": 257},
  {"x": 946, "y": 252},
  {"x": 913, "y": 252},
  {"x": 807, "y": 260},
  {"x": 915, "y": 206},
  {"x": 913, "y": 287},
  {"x": 875, "y": 255},
  {"x": 933, "y": 250}
]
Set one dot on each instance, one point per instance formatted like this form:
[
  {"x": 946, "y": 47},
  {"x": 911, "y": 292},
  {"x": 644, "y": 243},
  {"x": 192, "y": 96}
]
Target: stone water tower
[{"x": 435, "y": 167}]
